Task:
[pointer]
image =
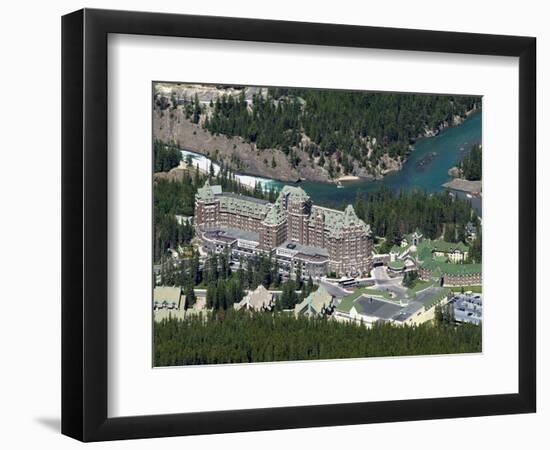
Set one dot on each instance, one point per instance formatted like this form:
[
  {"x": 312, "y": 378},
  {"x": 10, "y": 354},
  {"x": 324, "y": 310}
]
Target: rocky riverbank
[{"x": 171, "y": 126}]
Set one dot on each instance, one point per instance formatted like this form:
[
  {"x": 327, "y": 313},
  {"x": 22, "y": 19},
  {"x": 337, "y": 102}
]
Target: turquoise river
[{"x": 426, "y": 168}]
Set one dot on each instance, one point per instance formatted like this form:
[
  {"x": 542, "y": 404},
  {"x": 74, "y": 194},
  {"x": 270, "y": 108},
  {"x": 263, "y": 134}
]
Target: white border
[{"x": 136, "y": 389}]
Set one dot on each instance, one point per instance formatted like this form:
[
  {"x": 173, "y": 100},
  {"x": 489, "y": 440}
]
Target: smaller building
[
  {"x": 370, "y": 306},
  {"x": 236, "y": 242},
  {"x": 450, "y": 274},
  {"x": 366, "y": 306},
  {"x": 167, "y": 297},
  {"x": 258, "y": 300},
  {"x": 455, "y": 252},
  {"x": 371, "y": 309},
  {"x": 381, "y": 259},
  {"x": 401, "y": 252},
  {"x": 396, "y": 267},
  {"x": 316, "y": 304},
  {"x": 445, "y": 262},
  {"x": 412, "y": 239},
  {"x": 312, "y": 261},
  {"x": 467, "y": 308}
]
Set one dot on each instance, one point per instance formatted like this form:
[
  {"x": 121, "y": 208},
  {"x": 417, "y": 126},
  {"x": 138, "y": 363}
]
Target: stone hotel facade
[{"x": 292, "y": 229}]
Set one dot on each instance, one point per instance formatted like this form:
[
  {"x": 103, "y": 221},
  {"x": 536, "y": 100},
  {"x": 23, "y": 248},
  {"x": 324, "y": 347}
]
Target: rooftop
[
  {"x": 431, "y": 295},
  {"x": 304, "y": 249},
  {"x": 349, "y": 300},
  {"x": 369, "y": 306},
  {"x": 448, "y": 247},
  {"x": 398, "y": 249},
  {"x": 396, "y": 265},
  {"x": 166, "y": 293},
  {"x": 275, "y": 215},
  {"x": 257, "y": 299},
  {"x": 294, "y": 191},
  {"x": 452, "y": 269},
  {"x": 375, "y": 303},
  {"x": 314, "y": 302},
  {"x": 233, "y": 233},
  {"x": 410, "y": 236},
  {"x": 311, "y": 258},
  {"x": 468, "y": 308},
  {"x": 245, "y": 198},
  {"x": 336, "y": 221}
]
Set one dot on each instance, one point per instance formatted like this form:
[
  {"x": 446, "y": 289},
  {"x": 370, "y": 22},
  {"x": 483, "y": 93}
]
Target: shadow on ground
[{"x": 52, "y": 423}]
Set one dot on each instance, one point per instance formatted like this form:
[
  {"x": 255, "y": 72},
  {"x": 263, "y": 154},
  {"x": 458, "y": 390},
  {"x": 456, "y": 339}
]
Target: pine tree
[
  {"x": 298, "y": 276},
  {"x": 190, "y": 297}
]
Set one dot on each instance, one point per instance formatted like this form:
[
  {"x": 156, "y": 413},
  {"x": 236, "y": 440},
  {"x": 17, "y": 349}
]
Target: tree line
[
  {"x": 471, "y": 165},
  {"x": 225, "y": 286},
  {"x": 474, "y": 254},
  {"x": 268, "y": 124},
  {"x": 165, "y": 156},
  {"x": 171, "y": 198},
  {"x": 229, "y": 336},
  {"x": 393, "y": 214},
  {"x": 341, "y": 125}
]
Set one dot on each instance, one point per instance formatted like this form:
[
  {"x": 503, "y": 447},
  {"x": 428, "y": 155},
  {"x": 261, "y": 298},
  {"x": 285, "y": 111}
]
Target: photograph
[
  {"x": 336, "y": 211},
  {"x": 299, "y": 224}
]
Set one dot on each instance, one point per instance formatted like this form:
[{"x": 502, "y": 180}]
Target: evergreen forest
[
  {"x": 243, "y": 337},
  {"x": 333, "y": 124}
]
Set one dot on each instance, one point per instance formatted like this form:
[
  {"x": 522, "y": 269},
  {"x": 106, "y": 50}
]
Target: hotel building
[{"x": 294, "y": 230}]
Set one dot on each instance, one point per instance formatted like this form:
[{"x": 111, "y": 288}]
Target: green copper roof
[
  {"x": 396, "y": 265},
  {"x": 294, "y": 191},
  {"x": 337, "y": 221},
  {"x": 206, "y": 192},
  {"x": 409, "y": 237},
  {"x": 449, "y": 247},
  {"x": 350, "y": 218},
  {"x": 399, "y": 249},
  {"x": 348, "y": 301},
  {"x": 275, "y": 215},
  {"x": 452, "y": 269},
  {"x": 425, "y": 248},
  {"x": 243, "y": 206}
]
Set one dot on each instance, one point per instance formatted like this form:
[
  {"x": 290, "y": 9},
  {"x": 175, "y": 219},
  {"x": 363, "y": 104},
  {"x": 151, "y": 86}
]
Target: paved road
[
  {"x": 202, "y": 292},
  {"x": 380, "y": 274},
  {"x": 333, "y": 289},
  {"x": 383, "y": 282}
]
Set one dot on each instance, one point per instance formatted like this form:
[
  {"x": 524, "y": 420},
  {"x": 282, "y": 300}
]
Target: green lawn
[{"x": 476, "y": 289}]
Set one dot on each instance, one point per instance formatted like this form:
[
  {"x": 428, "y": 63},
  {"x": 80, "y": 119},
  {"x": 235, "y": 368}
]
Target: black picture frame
[{"x": 84, "y": 224}]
